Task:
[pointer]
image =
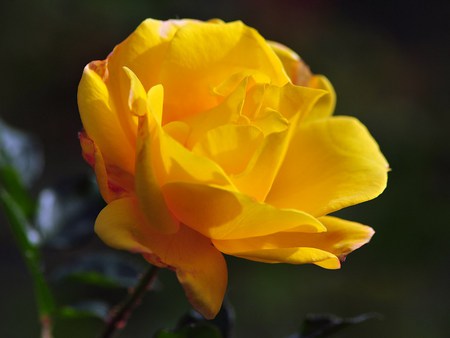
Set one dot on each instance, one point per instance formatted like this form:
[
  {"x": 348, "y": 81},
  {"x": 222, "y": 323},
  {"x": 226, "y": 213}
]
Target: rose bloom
[{"x": 207, "y": 139}]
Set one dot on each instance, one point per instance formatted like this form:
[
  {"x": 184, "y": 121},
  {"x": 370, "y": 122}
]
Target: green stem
[
  {"x": 121, "y": 315},
  {"x": 31, "y": 254}
]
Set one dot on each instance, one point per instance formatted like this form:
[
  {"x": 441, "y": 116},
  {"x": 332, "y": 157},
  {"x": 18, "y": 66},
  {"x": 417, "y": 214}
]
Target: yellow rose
[{"x": 207, "y": 139}]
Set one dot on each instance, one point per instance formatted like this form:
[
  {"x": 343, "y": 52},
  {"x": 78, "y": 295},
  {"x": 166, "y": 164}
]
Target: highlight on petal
[
  {"x": 222, "y": 214},
  {"x": 200, "y": 268},
  {"x": 296, "y": 247},
  {"x": 330, "y": 164},
  {"x": 230, "y": 146}
]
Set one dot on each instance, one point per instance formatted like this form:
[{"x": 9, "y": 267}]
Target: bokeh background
[{"x": 389, "y": 63}]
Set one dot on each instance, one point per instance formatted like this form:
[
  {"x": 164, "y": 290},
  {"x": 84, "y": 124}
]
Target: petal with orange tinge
[
  {"x": 101, "y": 122},
  {"x": 341, "y": 238},
  {"x": 200, "y": 268}
]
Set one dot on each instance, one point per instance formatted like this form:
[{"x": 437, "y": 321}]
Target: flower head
[{"x": 207, "y": 139}]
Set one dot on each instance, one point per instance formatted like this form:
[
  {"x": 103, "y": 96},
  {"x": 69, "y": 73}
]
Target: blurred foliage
[
  {"x": 389, "y": 64},
  {"x": 66, "y": 211},
  {"x": 325, "y": 325}
]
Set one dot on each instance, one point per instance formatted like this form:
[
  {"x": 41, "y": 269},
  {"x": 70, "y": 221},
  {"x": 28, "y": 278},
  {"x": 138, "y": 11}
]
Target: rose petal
[
  {"x": 102, "y": 124},
  {"x": 292, "y": 256},
  {"x": 295, "y": 102},
  {"x": 198, "y": 48},
  {"x": 200, "y": 268},
  {"x": 228, "y": 111},
  {"x": 294, "y": 66},
  {"x": 223, "y": 214},
  {"x": 231, "y": 146},
  {"x": 341, "y": 238},
  {"x": 300, "y": 75},
  {"x": 113, "y": 184},
  {"x": 324, "y": 107},
  {"x": 330, "y": 164}
]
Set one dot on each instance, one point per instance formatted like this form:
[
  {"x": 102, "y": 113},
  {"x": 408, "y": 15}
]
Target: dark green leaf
[
  {"x": 86, "y": 309},
  {"x": 199, "y": 330},
  {"x": 66, "y": 212},
  {"x": 105, "y": 270},
  {"x": 224, "y": 320},
  {"x": 10, "y": 181},
  {"x": 323, "y": 325},
  {"x": 23, "y": 234},
  {"x": 194, "y": 325}
]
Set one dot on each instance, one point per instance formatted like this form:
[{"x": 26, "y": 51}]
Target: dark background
[{"x": 389, "y": 63}]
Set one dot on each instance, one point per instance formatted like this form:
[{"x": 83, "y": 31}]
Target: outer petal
[
  {"x": 296, "y": 69},
  {"x": 341, "y": 238},
  {"x": 223, "y": 214},
  {"x": 143, "y": 52},
  {"x": 102, "y": 123},
  {"x": 330, "y": 164},
  {"x": 300, "y": 74},
  {"x": 200, "y": 268},
  {"x": 112, "y": 184},
  {"x": 326, "y": 104},
  {"x": 292, "y": 256}
]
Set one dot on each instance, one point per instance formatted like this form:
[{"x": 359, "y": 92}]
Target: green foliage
[
  {"x": 325, "y": 325},
  {"x": 108, "y": 270},
  {"x": 86, "y": 309},
  {"x": 198, "y": 330},
  {"x": 21, "y": 161},
  {"x": 193, "y": 325}
]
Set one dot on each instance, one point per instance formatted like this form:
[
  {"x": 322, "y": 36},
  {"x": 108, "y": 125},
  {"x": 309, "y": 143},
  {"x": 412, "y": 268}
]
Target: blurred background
[{"x": 389, "y": 63}]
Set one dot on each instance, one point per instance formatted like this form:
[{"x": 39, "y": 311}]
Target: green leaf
[
  {"x": 109, "y": 270},
  {"x": 199, "y": 330},
  {"x": 11, "y": 182},
  {"x": 86, "y": 309},
  {"x": 224, "y": 321},
  {"x": 21, "y": 231},
  {"x": 323, "y": 325},
  {"x": 194, "y": 325}
]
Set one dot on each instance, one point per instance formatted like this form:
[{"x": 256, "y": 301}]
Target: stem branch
[{"x": 120, "y": 316}]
